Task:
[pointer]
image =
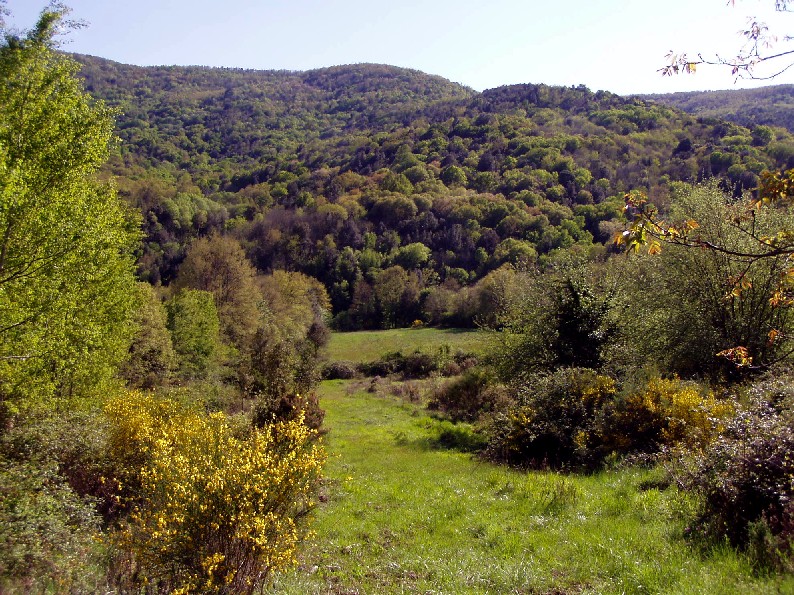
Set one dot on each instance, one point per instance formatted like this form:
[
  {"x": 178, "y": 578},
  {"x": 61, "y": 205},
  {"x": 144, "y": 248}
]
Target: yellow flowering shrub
[
  {"x": 212, "y": 512},
  {"x": 666, "y": 412}
]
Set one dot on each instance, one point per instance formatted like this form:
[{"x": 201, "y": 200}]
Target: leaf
[{"x": 739, "y": 356}]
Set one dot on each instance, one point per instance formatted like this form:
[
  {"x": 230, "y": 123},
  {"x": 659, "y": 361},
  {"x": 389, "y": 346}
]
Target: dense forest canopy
[
  {"x": 346, "y": 172},
  {"x": 769, "y": 106}
]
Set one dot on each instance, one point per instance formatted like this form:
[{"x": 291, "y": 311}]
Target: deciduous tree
[
  {"x": 66, "y": 282},
  {"x": 218, "y": 264}
]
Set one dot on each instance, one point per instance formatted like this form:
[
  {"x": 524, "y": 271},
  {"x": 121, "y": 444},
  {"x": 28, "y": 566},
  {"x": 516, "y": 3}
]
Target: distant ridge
[{"x": 770, "y": 106}]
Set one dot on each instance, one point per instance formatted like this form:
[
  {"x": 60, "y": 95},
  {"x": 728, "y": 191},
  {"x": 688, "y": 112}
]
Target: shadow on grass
[{"x": 444, "y": 435}]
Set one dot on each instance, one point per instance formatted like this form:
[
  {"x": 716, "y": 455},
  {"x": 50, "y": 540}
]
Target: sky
[{"x": 615, "y": 45}]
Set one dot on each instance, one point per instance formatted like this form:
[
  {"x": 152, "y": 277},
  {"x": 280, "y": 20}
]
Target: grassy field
[
  {"x": 402, "y": 515},
  {"x": 367, "y": 346}
]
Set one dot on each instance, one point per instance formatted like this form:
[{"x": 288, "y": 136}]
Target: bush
[
  {"x": 48, "y": 534},
  {"x": 746, "y": 480},
  {"x": 289, "y": 407},
  {"x": 553, "y": 422},
  {"x": 666, "y": 412},
  {"x": 575, "y": 417},
  {"x": 339, "y": 370},
  {"x": 412, "y": 365},
  {"x": 52, "y": 500},
  {"x": 213, "y": 512},
  {"x": 469, "y": 397}
]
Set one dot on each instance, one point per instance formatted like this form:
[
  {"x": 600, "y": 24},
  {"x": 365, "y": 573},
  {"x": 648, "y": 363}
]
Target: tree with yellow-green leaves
[{"x": 66, "y": 265}]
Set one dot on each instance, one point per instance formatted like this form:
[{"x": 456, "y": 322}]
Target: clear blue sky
[{"x": 615, "y": 45}]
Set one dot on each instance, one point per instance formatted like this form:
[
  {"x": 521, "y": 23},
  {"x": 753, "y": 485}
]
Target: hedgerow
[{"x": 575, "y": 417}]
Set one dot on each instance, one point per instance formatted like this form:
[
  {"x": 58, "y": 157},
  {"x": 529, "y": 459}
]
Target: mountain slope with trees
[
  {"x": 371, "y": 177},
  {"x": 767, "y": 106}
]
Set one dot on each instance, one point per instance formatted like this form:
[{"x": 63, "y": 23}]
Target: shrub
[
  {"x": 746, "y": 480},
  {"x": 666, "y": 412},
  {"x": 48, "y": 534},
  {"x": 281, "y": 373},
  {"x": 412, "y": 365},
  {"x": 289, "y": 407},
  {"x": 553, "y": 423},
  {"x": 419, "y": 364},
  {"x": 339, "y": 370},
  {"x": 470, "y": 396},
  {"x": 212, "y": 512}
]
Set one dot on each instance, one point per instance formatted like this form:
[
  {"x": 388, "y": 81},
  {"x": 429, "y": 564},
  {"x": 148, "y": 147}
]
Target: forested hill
[
  {"x": 770, "y": 106},
  {"x": 187, "y": 114},
  {"x": 347, "y": 172}
]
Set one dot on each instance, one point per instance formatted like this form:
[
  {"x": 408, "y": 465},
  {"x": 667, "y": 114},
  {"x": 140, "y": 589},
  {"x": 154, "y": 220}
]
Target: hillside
[
  {"x": 344, "y": 172},
  {"x": 182, "y": 251},
  {"x": 768, "y": 106}
]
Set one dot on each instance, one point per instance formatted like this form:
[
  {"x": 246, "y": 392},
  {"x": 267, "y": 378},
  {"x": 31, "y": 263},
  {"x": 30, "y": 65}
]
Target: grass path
[{"x": 403, "y": 516}]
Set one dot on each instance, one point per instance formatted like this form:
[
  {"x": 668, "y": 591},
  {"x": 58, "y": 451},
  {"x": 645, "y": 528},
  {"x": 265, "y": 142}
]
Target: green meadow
[
  {"x": 366, "y": 346},
  {"x": 401, "y": 514}
]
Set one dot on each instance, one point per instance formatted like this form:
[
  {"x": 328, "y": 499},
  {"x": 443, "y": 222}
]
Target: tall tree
[
  {"x": 151, "y": 358},
  {"x": 218, "y": 264},
  {"x": 66, "y": 281}
]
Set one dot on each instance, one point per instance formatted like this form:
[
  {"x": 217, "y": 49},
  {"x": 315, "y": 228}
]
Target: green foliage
[
  {"x": 574, "y": 417},
  {"x": 581, "y": 324},
  {"x": 195, "y": 331},
  {"x": 151, "y": 359},
  {"x": 453, "y": 176},
  {"x": 494, "y": 295},
  {"x": 396, "y": 183},
  {"x": 709, "y": 291},
  {"x": 53, "y": 503},
  {"x": 553, "y": 421},
  {"x": 330, "y": 176},
  {"x": 562, "y": 318},
  {"x": 48, "y": 534},
  {"x": 412, "y": 256},
  {"x": 470, "y": 396},
  {"x": 770, "y": 105},
  {"x": 337, "y": 370},
  {"x": 395, "y": 292},
  {"x": 280, "y": 367},
  {"x": 296, "y": 302},
  {"x": 418, "y": 364},
  {"x": 280, "y": 374},
  {"x": 66, "y": 285},
  {"x": 218, "y": 265}
]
